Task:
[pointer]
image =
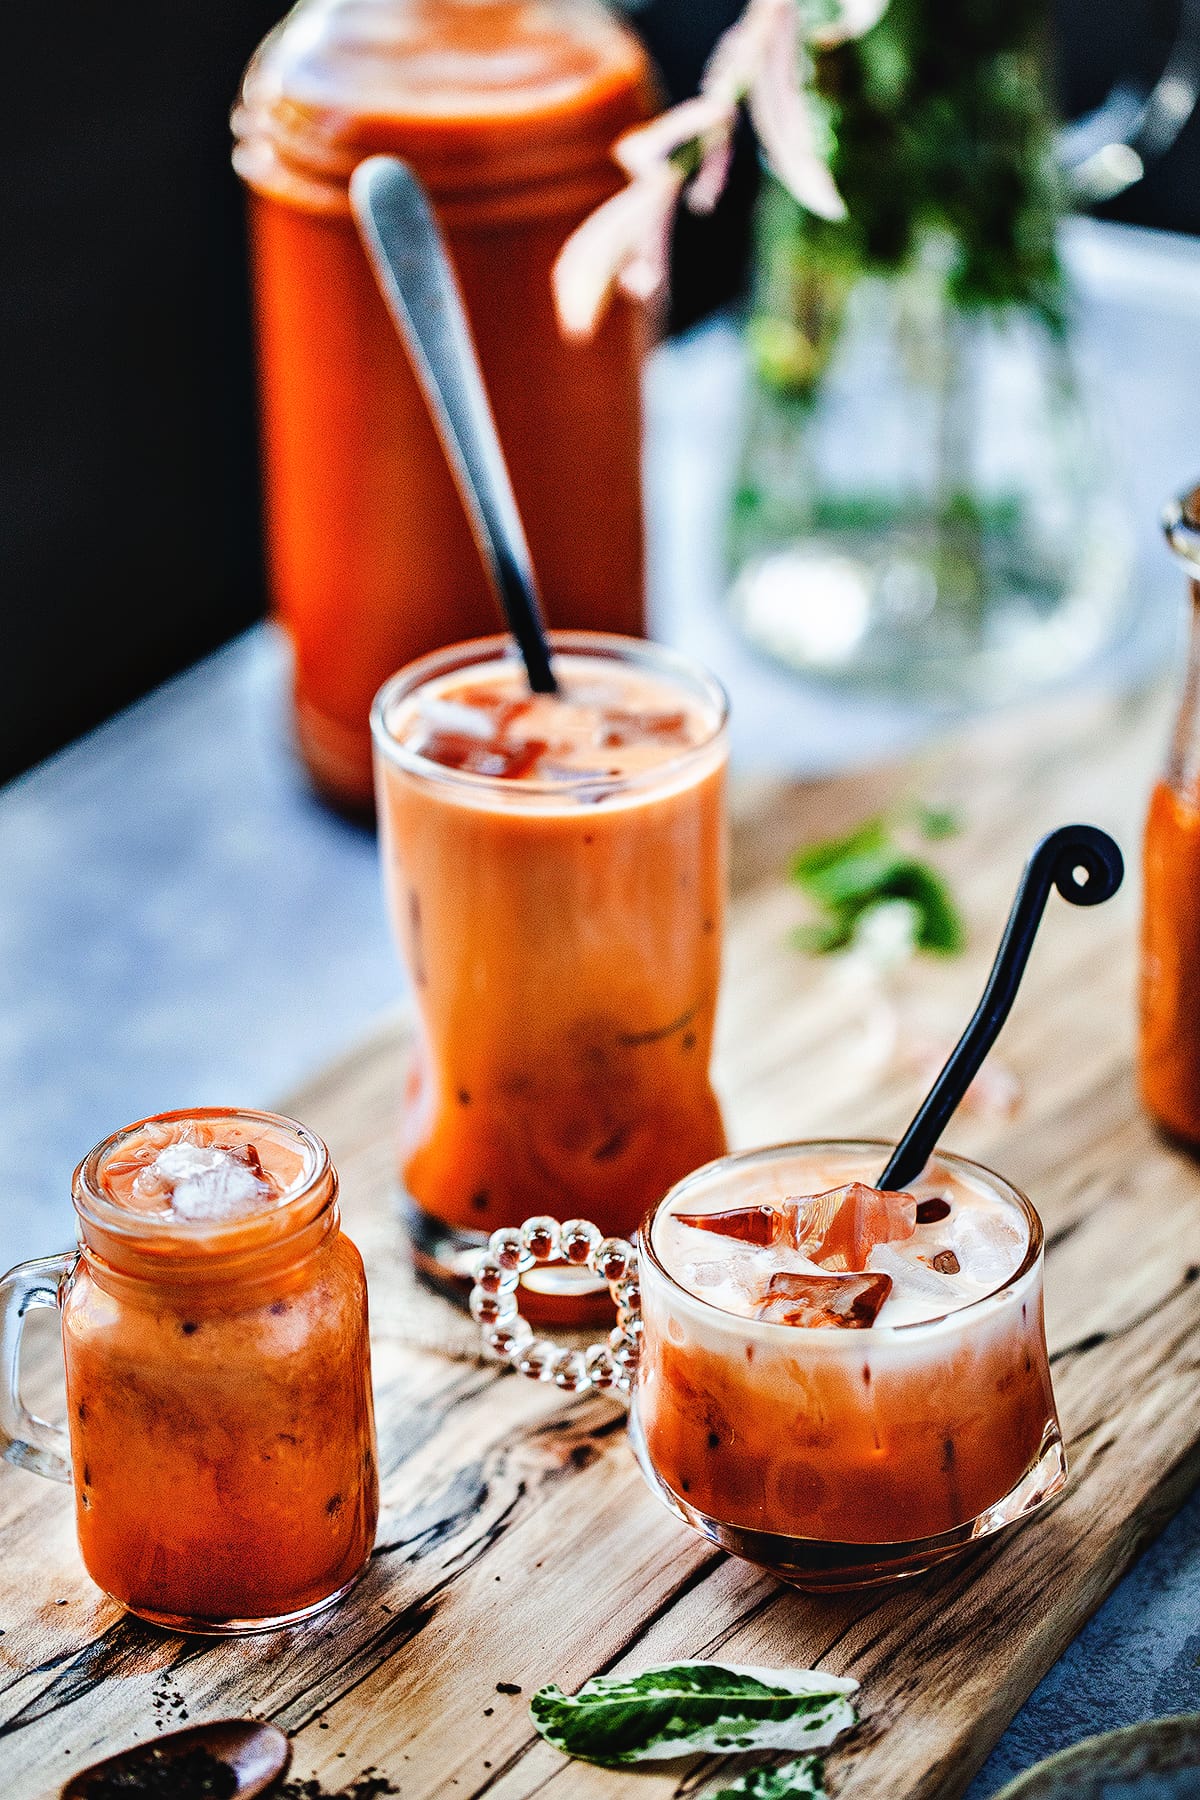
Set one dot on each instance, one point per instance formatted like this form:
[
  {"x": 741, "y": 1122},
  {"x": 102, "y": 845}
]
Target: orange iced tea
[
  {"x": 507, "y": 110},
  {"x": 555, "y": 869},
  {"x": 218, "y": 1374},
  {"x": 841, "y": 1385}
]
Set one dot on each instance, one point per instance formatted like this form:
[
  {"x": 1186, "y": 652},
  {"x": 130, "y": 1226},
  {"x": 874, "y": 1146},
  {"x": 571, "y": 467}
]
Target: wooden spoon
[{"x": 258, "y": 1754}]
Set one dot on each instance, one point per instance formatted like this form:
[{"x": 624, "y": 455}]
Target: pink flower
[
  {"x": 624, "y": 244},
  {"x": 703, "y": 127},
  {"x": 691, "y": 122},
  {"x": 781, "y": 113},
  {"x": 762, "y": 62}
]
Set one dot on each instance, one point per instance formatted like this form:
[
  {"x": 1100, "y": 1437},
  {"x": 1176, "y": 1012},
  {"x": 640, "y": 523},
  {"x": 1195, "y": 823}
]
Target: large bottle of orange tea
[{"x": 507, "y": 110}]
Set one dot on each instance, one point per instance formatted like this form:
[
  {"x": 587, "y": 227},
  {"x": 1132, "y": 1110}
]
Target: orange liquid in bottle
[
  {"x": 1170, "y": 995},
  {"x": 218, "y": 1376},
  {"x": 1169, "y": 1043},
  {"x": 507, "y": 109}
]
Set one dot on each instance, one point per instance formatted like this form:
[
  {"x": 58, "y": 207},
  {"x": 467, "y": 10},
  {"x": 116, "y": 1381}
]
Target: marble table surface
[{"x": 181, "y": 923}]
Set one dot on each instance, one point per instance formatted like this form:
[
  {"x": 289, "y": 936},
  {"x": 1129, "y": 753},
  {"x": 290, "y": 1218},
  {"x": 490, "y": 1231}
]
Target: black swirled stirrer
[
  {"x": 1086, "y": 867},
  {"x": 419, "y": 287}
]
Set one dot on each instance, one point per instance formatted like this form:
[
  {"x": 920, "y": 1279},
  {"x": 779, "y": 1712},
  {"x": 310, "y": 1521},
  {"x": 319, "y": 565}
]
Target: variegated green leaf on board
[
  {"x": 680, "y": 1708},
  {"x": 801, "y": 1779},
  {"x": 1158, "y": 1760}
]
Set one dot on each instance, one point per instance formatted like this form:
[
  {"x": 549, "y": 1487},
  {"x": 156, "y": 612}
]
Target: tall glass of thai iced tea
[
  {"x": 555, "y": 870},
  {"x": 214, "y": 1326},
  {"x": 840, "y": 1385}
]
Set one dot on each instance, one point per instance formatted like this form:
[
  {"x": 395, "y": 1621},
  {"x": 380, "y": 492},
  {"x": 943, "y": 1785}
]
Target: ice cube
[
  {"x": 492, "y": 708},
  {"x": 179, "y": 1160},
  {"x": 915, "y": 1279},
  {"x": 220, "y": 1193},
  {"x": 989, "y": 1245},
  {"x": 207, "y": 1181},
  {"x": 840, "y": 1229},
  {"x": 619, "y": 727},
  {"x": 459, "y": 717},
  {"x": 705, "y": 1274},
  {"x": 836, "y": 1230},
  {"x": 748, "y": 1224},
  {"x": 741, "y": 1274},
  {"x": 595, "y": 691},
  {"x": 137, "y": 1157},
  {"x": 148, "y": 1184},
  {"x": 182, "y": 1160},
  {"x": 504, "y": 760},
  {"x": 846, "y": 1302}
]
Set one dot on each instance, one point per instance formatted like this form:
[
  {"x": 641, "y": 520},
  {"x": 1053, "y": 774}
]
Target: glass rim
[
  {"x": 772, "y": 1152},
  {"x": 248, "y": 1230},
  {"x": 644, "y": 652}
]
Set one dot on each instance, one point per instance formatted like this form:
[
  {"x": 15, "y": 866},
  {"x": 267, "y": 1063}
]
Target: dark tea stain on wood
[
  {"x": 128, "y": 1649},
  {"x": 428, "y": 1526},
  {"x": 517, "y": 1543}
]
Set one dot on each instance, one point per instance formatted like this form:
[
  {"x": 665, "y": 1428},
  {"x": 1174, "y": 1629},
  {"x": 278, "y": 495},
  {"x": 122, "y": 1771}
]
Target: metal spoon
[
  {"x": 421, "y": 292},
  {"x": 258, "y": 1755}
]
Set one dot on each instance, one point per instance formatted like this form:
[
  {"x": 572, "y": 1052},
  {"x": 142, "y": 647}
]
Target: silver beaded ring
[{"x": 514, "y": 1249}]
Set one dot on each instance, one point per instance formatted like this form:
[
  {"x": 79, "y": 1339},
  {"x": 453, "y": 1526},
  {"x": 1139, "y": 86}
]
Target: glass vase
[{"x": 923, "y": 505}]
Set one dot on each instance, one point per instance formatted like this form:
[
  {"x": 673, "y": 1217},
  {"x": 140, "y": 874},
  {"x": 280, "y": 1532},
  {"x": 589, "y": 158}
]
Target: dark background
[{"x": 128, "y": 499}]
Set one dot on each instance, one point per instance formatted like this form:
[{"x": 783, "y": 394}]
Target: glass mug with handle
[
  {"x": 841, "y": 1386},
  {"x": 220, "y": 1434}
]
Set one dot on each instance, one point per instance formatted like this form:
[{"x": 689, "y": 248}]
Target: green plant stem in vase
[{"x": 922, "y": 503}]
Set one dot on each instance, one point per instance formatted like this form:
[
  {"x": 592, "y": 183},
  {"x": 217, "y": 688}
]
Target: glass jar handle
[
  {"x": 26, "y": 1440},
  {"x": 514, "y": 1249}
]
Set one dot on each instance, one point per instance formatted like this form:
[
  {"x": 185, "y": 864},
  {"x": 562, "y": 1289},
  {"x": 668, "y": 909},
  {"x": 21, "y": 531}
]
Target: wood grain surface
[{"x": 517, "y": 1543}]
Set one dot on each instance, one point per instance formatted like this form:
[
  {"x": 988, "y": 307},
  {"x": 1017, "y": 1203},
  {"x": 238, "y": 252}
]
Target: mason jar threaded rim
[{"x": 138, "y": 1243}]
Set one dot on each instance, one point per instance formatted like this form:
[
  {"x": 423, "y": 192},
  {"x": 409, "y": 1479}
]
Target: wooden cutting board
[{"x": 518, "y": 1545}]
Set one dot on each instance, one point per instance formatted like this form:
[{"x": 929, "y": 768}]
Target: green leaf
[
  {"x": 684, "y": 1707},
  {"x": 863, "y": 876},
  {"x": 940, "y": 928},
  {"x": 811, "y": 863},
  {"x": 850, "y": 877},
  {"x": 802, "y": 1779}
]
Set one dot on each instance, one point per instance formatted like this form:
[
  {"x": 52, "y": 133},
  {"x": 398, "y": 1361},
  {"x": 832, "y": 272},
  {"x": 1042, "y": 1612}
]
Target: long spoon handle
[
  {"x": 1086, "y": 867},
  {"x": 422, "y": 295}
]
